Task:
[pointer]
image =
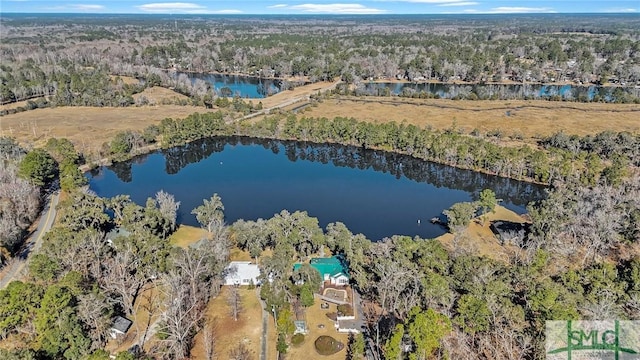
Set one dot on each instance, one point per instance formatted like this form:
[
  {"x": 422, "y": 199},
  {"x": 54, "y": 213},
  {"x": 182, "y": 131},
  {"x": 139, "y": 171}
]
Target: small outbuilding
[
  {"x": 301, "y": 327},
  {"x": 119, "y": 327}
]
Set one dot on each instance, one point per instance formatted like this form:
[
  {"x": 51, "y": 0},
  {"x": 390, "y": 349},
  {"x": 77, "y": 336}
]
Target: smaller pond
[
  {"x": 499, "y": 91},
  {"x": 242, "y": 86}
]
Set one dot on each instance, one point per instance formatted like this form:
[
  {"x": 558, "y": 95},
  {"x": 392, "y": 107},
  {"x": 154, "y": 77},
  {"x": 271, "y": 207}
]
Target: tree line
[{"x": 450, "y": 147}]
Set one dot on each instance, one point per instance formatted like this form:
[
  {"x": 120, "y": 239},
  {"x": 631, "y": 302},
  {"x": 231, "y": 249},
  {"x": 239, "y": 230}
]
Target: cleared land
[
  {"x": 187, "y": 235},
  {"x": 479, "y": 239},
  {"x": 530, "y": 119},
  {"x": 287, "y": 95},
  {"x": 159, "y": 95},
  {"x": 229, "y": 333},
  {"x": 87, "y": 127}
]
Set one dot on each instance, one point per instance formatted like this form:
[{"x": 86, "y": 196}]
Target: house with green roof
[{"x": 332, "y": 269}]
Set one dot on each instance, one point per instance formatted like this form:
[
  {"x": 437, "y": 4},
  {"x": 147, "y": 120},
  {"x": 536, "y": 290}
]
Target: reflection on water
[
  {"x": 376, "y": 193},
  {"x": 498, "y": 91}
]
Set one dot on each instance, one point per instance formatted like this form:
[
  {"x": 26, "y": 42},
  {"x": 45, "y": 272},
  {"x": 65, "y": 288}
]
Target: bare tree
[
  {"x": 187, "y": 289},
  {"x": 95, "y": 312},
  {"x": 181, "y": 316},
  {"x": 168, "y": 207},
  {"x": 121, "y": 278},
  {"x": 209, "y": 339},
  {"x": 235, "y": 302}
]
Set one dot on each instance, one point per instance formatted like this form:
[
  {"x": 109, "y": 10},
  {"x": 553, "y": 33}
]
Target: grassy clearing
[
  {"x": 87, "y": 127},
  {"x": 186, "y": 235},
  {"x": 125, "y": 79},
  {"x": 479, "y": 239},
  {"x": 159, "y": 95},
  {"x": 530, "y": 119},
  {"x": 289, "y": 94},
  {"x": 230, "y": 333},
  {"x": 147, "y": 311}
]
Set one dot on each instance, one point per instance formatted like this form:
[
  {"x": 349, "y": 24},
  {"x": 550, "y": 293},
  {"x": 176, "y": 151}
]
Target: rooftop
[{"x": 121, "y": 324}]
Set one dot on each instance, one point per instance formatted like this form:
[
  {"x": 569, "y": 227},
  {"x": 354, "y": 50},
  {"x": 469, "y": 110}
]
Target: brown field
[
  {"x": 159, "y": 95},
  {"x": 479, "y": 239},
  {"x": 125, "y": 79},
  {"x": 300, "y": 91},
  {"x": 87, "y": 127},
  {"x": 230, "y": 333},
  {"x": 315, "y": 316},
  {"x": 530, "y": 119},
  {"x": 17, "y": 104}
]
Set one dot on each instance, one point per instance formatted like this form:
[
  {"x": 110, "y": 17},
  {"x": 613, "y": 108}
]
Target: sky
[{"x": 320, "y": 6}]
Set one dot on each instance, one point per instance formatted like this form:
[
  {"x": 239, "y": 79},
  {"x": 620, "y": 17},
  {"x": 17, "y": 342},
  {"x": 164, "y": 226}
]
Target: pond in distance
[{"x": 375, "y": 193}]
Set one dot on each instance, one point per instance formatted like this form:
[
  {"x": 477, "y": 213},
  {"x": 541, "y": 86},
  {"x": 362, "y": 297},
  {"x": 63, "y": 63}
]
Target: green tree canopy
[{"x": 38, "y": 167}]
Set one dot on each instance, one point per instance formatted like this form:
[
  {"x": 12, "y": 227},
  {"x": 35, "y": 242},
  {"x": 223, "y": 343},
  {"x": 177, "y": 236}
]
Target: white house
[{"x": 241, "y": 273}]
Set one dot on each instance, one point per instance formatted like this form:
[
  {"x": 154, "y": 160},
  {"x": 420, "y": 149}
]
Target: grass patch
[
  {"x": 297, "y": 339},
  {"x": 345, "y": 310},
  {"x": 326, "y": 345},
  {"x": 186, "y": 235}
]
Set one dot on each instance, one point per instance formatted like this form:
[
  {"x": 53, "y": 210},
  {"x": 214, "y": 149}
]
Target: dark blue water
[
  {"x": 499, "y": 91},
  {"x": 375, "y": 193},
  {"x": 242, "y": 86}
]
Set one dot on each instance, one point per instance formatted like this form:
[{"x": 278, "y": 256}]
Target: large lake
[{"x": 375, "y": 193}]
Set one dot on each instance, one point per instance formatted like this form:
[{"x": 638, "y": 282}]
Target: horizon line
[{"x": 323, "y": 14}]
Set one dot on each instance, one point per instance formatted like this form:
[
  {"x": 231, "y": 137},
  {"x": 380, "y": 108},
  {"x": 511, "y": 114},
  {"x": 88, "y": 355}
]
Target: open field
[
  {"x": 230, "y": 333},
  {"x": 529, "y": 118},
  {"x": 290, "y": 94},
  {"x": 125, "y": 79},
  {"x": 187, "y": 235},
  {"x": 87, "y": 127},
  {"x": 158, "y": 95}
]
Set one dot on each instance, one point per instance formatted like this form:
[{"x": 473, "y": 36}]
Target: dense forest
[{"x": 72, "y": 64}]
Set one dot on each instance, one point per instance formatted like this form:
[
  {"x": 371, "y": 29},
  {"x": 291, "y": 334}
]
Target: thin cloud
[
  {"x": 519, "y": 9},
  {"x": 433, "y": 1},
  {"x": 75, "y": 7},
  {"x": 463, "y": 3},
  {"x": 88, "y": 7},
  {"x": 621, "y": 10},
  {"x": 171, "y": 7},
  {"x": 277, "y": 6},
  {"x": 336, "y": 9},
  {"x": 510, "y": 10}
]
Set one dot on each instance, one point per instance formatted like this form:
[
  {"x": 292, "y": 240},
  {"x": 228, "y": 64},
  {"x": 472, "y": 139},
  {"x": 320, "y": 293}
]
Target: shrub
[
  {"x": 326, "y": 345},
  {"x": 345, "y": 310},
  {"x": 333, "y": 316},
  {"x": 297, "y": 339}
]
